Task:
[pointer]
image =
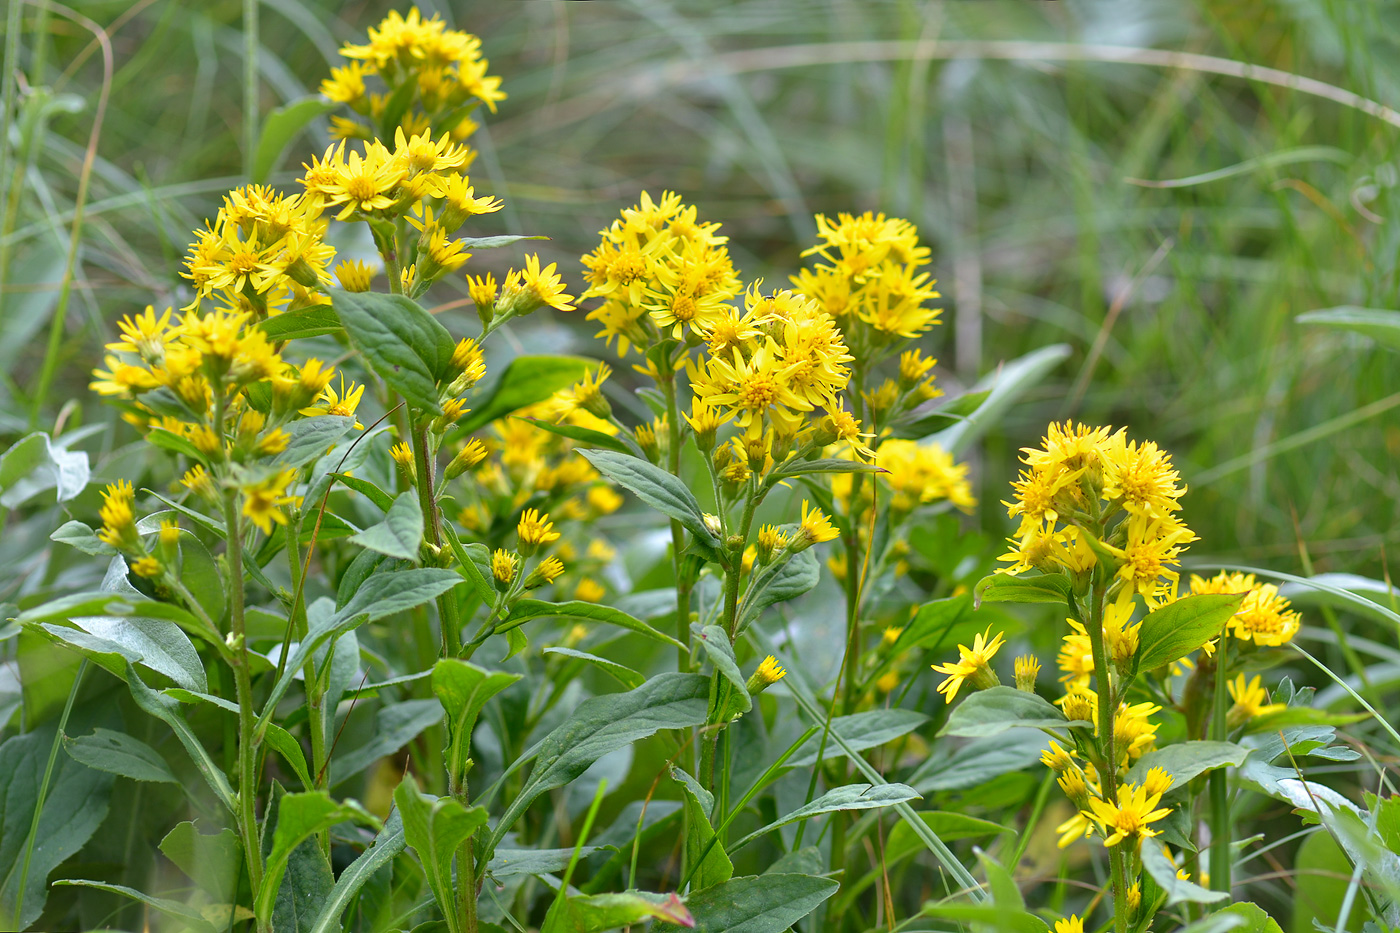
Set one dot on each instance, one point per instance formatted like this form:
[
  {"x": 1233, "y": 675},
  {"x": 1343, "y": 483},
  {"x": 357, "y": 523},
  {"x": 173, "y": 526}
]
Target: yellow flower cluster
[
  {"x": 869, "y": 279},
  {"x": 265, "y": 252},
  {"x": 1264, "y": 617},
  {"x": 433, "y": 77},
  {"x": 661, "y": 271},
  {"x": 777, "y": 372},
  {"x": 1085, "y": 486}
]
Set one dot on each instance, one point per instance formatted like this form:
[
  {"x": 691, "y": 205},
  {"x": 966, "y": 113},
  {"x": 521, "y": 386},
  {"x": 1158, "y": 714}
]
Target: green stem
[
  {"x": 673, "y": 464},
  {"x": 854, "y": 560},
  {"x": 1108, "y": 753},
  {"x": 1218, "y": 782},
  {"x": 250, "y": 86},
  {"x": 432, "y": 514},
  {"x": 466, "y": 864}
]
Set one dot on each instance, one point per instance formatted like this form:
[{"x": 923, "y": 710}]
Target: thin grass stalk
[{"x": 250, "y": 86}]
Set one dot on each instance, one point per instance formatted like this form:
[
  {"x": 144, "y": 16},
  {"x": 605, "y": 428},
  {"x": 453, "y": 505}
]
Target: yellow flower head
[
  {"x": 524, "y": 292},
  {"x": 1130, "y": 816},
  {"x": 263, "y": 500},
  {"x": 1027, "y": 670},
  {"x": 971, "y": 665},
  {"x": 1157, "y": 781},
  {"x": 535, "y": 530},
  {"x": 1070, "y": 924},
  {"x": 471, "y": 454},
  {"x": 118, "y": 516},
  {"x": 771, "y": 541},
  {"x": 197, "y": 481},
  {"x": 1251, "y": 700},
  {"x": 768, "y": 672},
  {"x": 354, "y": 275},
  {"x": 549, "y": 570},
  {"x": 147, "y": 566},
  {"x": 1056, "y": 758},
  {"x": 814, "y": 528},
  {"x": 590, "y": 590},
  {"x": 169, "y": 532},
  {"x": 503, "y": 566}
]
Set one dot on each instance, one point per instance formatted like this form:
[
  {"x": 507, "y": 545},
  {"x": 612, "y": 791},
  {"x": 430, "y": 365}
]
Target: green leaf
[
  {"x": 1185, "y": 760},
  {"x": 369, "y": 490},
  {"x": 1007, "y": 384},
  {"x": 699, "y": 804},
  {"x": 186, "y": 915},
  {"x": 75, "y": 806},
  {"x": 311, "y": 438},
  {"x": 283, "y": 743},
  {"x": 622, "y": 673},
  {"x": 167, "y": 710},
  {"x": 657, "y": 488},
  {"x": 937, "y": 415},
  {"x": 434, "y": 827},
  {"x": 1179, "y": 628},
  {"x": 527, "y": 380},
  {"x": 527, "y": 609},
  {"x": 978, "y": 761},
  {"x": 947, "y": 824},
  {"x": 35, "y": 463},
  {"x": 212, "y": 861},
  {"x": 304, "y": 888},
  {"x": 823, "y": 465},
  {"x": 859, "y": 731},
  {"x": 780, "y": 582},
  {"x": 315, "y": 321},
  {"x": 848, "y": 797},
  {"x": 120, "y": 754},
  {"x": 474, "y": 563},
  {"x": 78, "y": 535},
  {"x": 1176, "y": 889},
  {"x": 280, "y": 127},
  {"x": 394, "y": 727},
  {"x": 721, "y": 653},
  {"x": 400, "y": 534},
  {"x": 592, "y": 913},
  {"x": 584, "y": 436},
  {"x": 200, "y": 575},
  {"x": 604, "y": 724},
  {"x": 756, "y": 904},
  {"x": 1039, "y": 588},
  {"x": 175, "y": 443},
  {"x": 509, "y": 862},
  {"x": 1381, "y": 326},
  {"x": 300, "y": 816},
  {"x": 1254, "y": 917},
  {"x": 464, "y": 689},
  {"x": 403, "y": 343},
  {"x": 387, "y": 845},
  {"x": 989, "y": 712}
]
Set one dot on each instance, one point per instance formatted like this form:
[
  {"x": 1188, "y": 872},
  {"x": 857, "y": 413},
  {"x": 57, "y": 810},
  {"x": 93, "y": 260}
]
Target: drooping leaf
[
  {"x": 120, "y": 754},
  {"x": 434, "y": 827},
  {"x": 1179, "y": 628},
  {"x": 300, "y": 816},
  {"x": 624, "y": 675},
  {"x": 1184, "y": 760},
  {"x": 1176, "y": 889},
  {"x": 75, "y": 534},
  {"x": 848, "y": 797},
  {"x": 584, "y": 435},
  {"x": 369, "y": 490},
  {"x": 978, "y": 761},
  {"x": 1037, "y": 588},
  {"x": 400, "y": 534},
  {"x": 592, "y": 913},
  {"x": 989, "y": 712},
  {"x": 402, "y": 342},
  {"x": 1004, "y": 386},
  {"x": 859, "y": 731},
  {"x": 527, "y": 609},
  {"x": 75, "y": 806},
  {"x": 508, "y": 862},
  {"x": 721, "y": 654},
  {"x": 464, "y": 689},
  {"x": 797, "y": 467},
  {"x": 187, "y": 916},
  {"x": 657, "y": 488},
  {"x": 1381, "y": 326},
  {"x": 304, "y": 888},
  {"x": 756, "y": 904},
  {"x": 167, "y": 710},
  {"x": 716, "y": 868},
  {"x": 280, "y": 126},
  {"x": 604, "y": 724},
  {"x": 37, "y": 462}
]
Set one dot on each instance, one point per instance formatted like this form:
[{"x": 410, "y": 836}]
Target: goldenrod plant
[{"x": 401, "y": 570}]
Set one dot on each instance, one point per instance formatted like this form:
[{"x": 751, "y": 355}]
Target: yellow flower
[
  {"x": 262, "y": 500},
  {"x": 534, "y": 288},
  {"x": 535, "y": 530},
  {"x": 147, "y": 566},
  {"x": 1133, "y": 733},
  {"x": 1056, "y": 758},
  {"x": 145, "y": 335},
  {"x": 118, "y": 516},
  {"x": 342, "y": 403},
  {"x": 354, "y": 275},
  {"x": 771, "y": 541},
  {"x": 768, "y": 672},
  {"x": 1251, "y": 700},
  {"x": 590, "y": 590},
  {"x": 1080, "y": 705},
  {"x": 603, "y": 500},
  {"x": 197, "y": 481},
  {"x": 471, "y": 454},
  {"x": 1157, "y": 781},
  {"x": 482, "y": 290},
  {"x": 971, "y": 665},
  {"x": 402, "y": 455},
  {"x": 1027, "y": 670},
  {"x": 549, "y": 570},
  {"x": 1130, "y": 816},
  {"x": 587, "y": 394},
  {"x": 891, "y": 635},
  {"x": 1074, "y": 828},
  {"x": 170, "y": 532},
  {"x": 919, "y": 474},
  {"x": 887, "y": 682},
  {"x": 503, "y": 567},
  {"x": 366, "y": 184},
  {"x": 1070, "y": 924},
  {"x": 814, "y": 528}
]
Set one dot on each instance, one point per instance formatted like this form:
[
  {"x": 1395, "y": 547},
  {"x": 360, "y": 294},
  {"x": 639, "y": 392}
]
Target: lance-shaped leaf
[
  {"x": 657, "y": 488},
  {"x": 314, "y": 321},
  {"x": 184, "y": 914},
  {"x": 402, "y": 342},
  {"x": 716, "y": 868},
  {"x": 394, "y": 727},
  {"x": 463, "y": 689},
  {"x": 1381, "y": 326},
  {"x": 623, "y": 674},
  {"x": 525, "y": 381},
  {"x": 780, "y": 582},
  {"x": 1004, "y": 386},
  {"x": 849, "y": 797},
  {"x": 604, "y": 724},
  {"x": 300, "y": 816},
  {"x": 858, "y": 732},
  {"x": 592, "y": 913},
  {"x": 1184, "y": 760},
  {"x": 311, "y": 438},
  {"x": 721, "y": 653},
  {"x": 213, "y": 861},
  {"x": 1176, "y": 889},
  {"x": 1037, "y": 588},
  {"x": 120, "y": 754},
  {"x": 434, "y": 827},
  {"x": 527, "y": 609},
  {"x": 1179, "y": 628},
  {"x": 989, "y": 712},
  {"x": 756, "y": 904},
  {"x": 387, "y": 845},
  {"x": 280, "y": 126}
]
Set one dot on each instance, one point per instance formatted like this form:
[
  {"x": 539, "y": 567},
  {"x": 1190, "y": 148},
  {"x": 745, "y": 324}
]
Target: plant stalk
[
  {"x": 1108, "y": 769},
  {"x": 1217, "y": 782}
]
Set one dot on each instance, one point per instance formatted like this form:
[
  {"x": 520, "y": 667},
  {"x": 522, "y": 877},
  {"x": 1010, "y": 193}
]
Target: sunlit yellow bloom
[
  {"x": 1027, "y": 670},
  {"x": 919, "y": 474},
  {"x": 144, "y": 334},
  {"x": 118, "y": 516},
  {"x": 402, "y": 455},
  {"x": 524, "y": 292},
  {"x": 814, "y": 528},
  {"x": 768, "y": 672},
  {"x": 971, "y": 665},
  {"x": 549, "y": 570},
  {"x": 771, "y": 541},
  {"x": 1130, "y": 816},
  {"x": 365, "y": 183},
  {"x": 1133, "y": 733},
  {"x": 535, "y": 530},
  {"x": 1070, "y": 924},
  {"x": 590, "y": 590},
  {"x": 503, "y": 566},
  {"x": 197, "y": 481},
  {"x": 1056, "y": 758},
  {"x": 342, "y": 403},
  {"x": 1157, "y": 781},
  {"x": 1074, "y": 828},
  {"x": 1251, "y": 700}
]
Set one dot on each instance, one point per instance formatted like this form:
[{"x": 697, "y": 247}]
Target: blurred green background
[{"x": 1167, "y": 223}]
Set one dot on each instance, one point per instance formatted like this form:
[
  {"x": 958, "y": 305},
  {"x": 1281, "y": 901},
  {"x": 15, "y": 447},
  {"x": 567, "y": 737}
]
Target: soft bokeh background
[{"x": 1037, "y": 181}]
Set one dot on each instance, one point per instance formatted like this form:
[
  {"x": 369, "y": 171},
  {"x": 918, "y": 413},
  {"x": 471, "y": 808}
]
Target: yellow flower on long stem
[{"x": 972, "y": 665}]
